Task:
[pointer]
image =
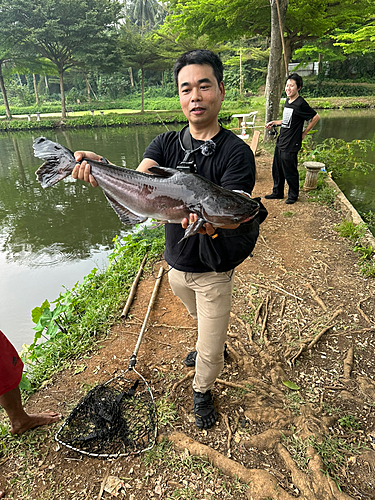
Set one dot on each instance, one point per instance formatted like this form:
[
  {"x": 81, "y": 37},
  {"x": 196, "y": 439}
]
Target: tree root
[
  {"x": 261, "y": 484},
  {"x": 313, "y": 486},
  {"x": 348, "y": 363}
]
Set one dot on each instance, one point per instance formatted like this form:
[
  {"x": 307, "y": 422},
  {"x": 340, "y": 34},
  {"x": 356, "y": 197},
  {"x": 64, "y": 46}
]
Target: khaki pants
[{"x": 208, "y": 298}]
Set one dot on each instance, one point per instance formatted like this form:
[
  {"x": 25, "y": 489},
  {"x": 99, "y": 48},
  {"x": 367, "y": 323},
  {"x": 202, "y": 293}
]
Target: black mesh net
[{"x": 114, "y": 419}]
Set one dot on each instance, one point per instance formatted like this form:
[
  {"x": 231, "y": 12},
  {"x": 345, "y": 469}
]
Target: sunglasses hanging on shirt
[{"x": 188, "y": 164}]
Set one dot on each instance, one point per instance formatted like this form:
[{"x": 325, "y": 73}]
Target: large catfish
[{"x": 167, "y": 195}]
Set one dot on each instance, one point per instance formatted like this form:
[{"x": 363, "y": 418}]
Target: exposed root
[
  {"x": 189, "y": 375},
  {"x": 316, "y": 485},
  {"x": 348, "y": 363},
  {"x": 265, "y": 441},
  {"x": 261, "y": 484}
]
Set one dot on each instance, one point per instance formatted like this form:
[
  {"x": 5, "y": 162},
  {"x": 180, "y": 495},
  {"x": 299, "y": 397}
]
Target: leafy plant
[
  {"x": 347, "y": 229},
  {"x": 338, "y": 156},
  {"x": 83, "y": 315}
]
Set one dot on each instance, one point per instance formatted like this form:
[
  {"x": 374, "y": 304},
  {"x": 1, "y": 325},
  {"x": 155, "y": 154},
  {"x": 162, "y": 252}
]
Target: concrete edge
[{"x": 349, "y": 212}]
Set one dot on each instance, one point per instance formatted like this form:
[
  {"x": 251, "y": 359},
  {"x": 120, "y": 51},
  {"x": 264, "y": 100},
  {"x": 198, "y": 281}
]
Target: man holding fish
[{"x": 205, "y": 148}]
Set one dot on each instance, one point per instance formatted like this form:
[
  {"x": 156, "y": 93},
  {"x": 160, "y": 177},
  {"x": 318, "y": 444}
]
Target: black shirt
[
  {"x": 294, "y": 116},
  {"x": 232, "y": 166}
]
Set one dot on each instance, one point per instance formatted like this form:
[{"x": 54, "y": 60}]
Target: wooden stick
[
  {"x": 133, "y": 288},
  {"x": 103, "y": 485},
  {"x": 277, "y": 288},
  {"x": 316, "y": 297},
  {"x": 152, "y": 301},
  {"x": 364, "y": 316},
  {"x": 306, "y": 346}
]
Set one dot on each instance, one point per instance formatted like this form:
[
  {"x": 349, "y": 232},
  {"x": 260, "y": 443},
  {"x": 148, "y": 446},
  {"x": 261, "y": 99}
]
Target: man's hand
[
  {"x": 82, "y": 171},
  {"x": 207, "y": 228}
]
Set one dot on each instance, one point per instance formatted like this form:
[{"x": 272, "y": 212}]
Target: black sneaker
[
  {"x": 273, "y": 196},
  {"x": 192, "y": 357},
  {"x": 290, "y": 201},
  {"x": 204, "y": 410}
]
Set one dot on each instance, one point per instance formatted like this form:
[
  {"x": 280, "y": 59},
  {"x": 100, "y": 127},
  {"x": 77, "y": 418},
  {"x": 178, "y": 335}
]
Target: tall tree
[
  {"x": 304, "y": 21},
  {"x": 61, "y": 30},
  {"x": 139, "y": 50}
]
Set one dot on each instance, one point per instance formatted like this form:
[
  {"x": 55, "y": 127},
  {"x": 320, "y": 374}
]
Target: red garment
[{"x": 11, "y": 366}]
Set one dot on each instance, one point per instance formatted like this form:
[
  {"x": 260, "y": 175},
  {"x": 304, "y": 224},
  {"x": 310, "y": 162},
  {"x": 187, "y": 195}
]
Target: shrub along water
[{"x": 82, "y": 316}]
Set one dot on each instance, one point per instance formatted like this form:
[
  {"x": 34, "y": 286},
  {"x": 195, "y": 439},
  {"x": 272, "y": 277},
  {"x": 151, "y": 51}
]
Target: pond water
[{"x": 50, "y": 239}]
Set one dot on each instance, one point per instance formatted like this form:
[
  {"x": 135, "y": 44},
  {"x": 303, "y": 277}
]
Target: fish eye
[{"x": 236, "y": 219}]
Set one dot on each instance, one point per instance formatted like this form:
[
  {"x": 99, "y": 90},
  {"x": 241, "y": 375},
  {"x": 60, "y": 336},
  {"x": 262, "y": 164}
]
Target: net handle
[{"x": 133, "y": 359}]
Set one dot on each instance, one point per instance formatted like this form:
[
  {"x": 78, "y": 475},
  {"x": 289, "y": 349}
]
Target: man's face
[
  {"x": 199, "y": 93},
  {"x": 291, "y": 89}
]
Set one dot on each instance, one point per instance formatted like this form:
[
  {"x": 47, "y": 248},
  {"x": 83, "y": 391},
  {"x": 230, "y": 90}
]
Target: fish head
[{"x": 230, "y": 210}]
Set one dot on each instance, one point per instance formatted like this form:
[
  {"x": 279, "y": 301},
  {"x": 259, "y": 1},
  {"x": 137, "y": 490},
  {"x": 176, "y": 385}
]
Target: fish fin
[
  {"x": 125, "y": 215},
  {"x": 59, "y": 162},
  {"x": 162, "y": 171},
  {"x": 193, "y": 228}
]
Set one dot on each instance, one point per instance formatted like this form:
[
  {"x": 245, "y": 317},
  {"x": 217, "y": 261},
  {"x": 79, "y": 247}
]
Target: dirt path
[{"x": 302, "y": 313}]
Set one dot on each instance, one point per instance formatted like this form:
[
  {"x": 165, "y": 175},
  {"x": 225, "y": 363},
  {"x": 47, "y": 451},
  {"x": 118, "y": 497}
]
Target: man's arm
[{"x": 313, "y": 122}]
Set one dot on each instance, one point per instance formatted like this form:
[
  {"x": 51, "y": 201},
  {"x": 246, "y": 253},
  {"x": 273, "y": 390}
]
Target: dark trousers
[{"x": 284, "y": 168}]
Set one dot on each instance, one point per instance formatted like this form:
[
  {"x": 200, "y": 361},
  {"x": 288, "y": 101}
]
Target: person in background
[
  {"x": 206, "y": 148},
  {"x": 285, "y": 162}
]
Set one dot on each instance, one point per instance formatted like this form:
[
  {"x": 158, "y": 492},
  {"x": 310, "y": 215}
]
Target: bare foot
[{"x": 34, "y": 420}]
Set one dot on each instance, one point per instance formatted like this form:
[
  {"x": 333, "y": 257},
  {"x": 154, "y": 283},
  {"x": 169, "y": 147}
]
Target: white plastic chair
[{"x": 251, "y": 117}]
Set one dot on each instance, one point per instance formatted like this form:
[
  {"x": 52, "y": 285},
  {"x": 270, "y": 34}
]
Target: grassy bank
[
  {"x": 119, "y": 116},
  {"x": 73, "y": 324}
]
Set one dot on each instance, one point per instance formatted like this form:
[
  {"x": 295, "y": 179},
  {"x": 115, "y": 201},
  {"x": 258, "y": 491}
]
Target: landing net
[{"x": 117, "y": 418}]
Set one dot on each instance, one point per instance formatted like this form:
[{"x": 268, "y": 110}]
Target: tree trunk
[
  {"x": 88, "y": 89},
  {"x": 35, "y": 90},
  {"x": 4, "y": 94},
  {"x": 320, "y": 65},
  {"x": 62, "y": 92},
  {"x": 143, "y": 88},
  {"x": 275, "y": 63},
  {"x": 131, "y": 77}
]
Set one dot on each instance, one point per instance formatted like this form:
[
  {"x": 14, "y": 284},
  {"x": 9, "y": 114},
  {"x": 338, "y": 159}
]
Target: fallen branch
[
  {"x": 281, "y": 313},
  {"x": 103, "y": 485},
  {"x": 364, "y": 316},
  {"x": 306, "y": 346},
  {"x": 174, "y": 327},
  {"x": 276, "y": 288},
  {"x": 133, "y": 288},
  {"x": 316, "y": 297}
]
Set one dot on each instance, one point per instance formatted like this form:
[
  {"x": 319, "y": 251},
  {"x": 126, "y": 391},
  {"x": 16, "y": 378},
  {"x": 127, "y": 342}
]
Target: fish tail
[{"x": 59, "y": 163}]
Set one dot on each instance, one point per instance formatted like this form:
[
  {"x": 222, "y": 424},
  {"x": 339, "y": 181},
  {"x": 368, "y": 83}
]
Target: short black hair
[
  {"x": 297, "y": 78},
  {"x": 199, "y": 56}
]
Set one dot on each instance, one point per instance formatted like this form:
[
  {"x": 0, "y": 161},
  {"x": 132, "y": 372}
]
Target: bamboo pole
[{"x": 133, "y": 288}]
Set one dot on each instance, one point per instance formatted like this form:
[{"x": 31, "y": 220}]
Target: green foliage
[
  {"x": 338, "y": 156},
  {"x": 349, "y": 422},
  {"x": 82, "y": 315},
  {"x": 354, "y": 232},
  {"x": 336, "y": 89}
]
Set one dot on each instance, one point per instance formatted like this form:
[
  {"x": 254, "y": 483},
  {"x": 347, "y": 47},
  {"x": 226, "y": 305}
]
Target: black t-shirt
[
  {"x": 294, "y": 116},
  {"x": 232, "y": 166}
]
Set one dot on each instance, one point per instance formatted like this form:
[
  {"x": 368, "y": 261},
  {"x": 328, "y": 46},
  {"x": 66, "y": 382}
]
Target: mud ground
[{"x": 302, "y": 313}]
